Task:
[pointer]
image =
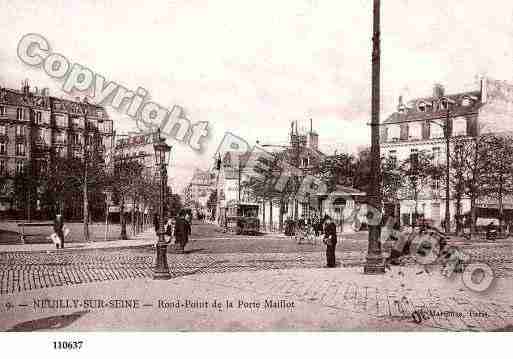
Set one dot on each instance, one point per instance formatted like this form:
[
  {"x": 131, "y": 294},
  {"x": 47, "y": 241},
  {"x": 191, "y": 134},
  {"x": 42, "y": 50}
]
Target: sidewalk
[
  {"x": 143, "y": 239},
  {"x": 296, "y": 299}
]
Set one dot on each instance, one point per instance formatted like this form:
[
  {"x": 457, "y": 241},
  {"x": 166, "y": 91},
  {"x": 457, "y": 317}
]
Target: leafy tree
[
  {"x": 391, "y": 178},
  {"x": 496, "y": 177},
  {"x": 417, "y": 172},
  {"x": 174, "y": 204},
  {"x": 212, "y": 203},
  {"x": 341, "y": 169},
  {"x": 126, "y": 181}
]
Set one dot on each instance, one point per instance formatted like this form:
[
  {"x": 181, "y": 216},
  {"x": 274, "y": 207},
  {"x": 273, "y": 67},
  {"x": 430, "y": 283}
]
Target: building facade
[
  {"x": 138, "y": 148},
  {"x": 37, "y": 129},
  {"x": 197, "y": 192},
  {"x": 418, "y": 125},
  {"x": 302, "y": 152}
]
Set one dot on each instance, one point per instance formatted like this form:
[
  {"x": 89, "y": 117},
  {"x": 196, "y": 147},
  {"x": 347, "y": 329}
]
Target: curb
[{"x": 72, "y": 249}]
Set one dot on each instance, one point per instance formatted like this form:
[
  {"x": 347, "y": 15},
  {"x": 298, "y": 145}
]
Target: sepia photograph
[{"x": 255, "y": 166}]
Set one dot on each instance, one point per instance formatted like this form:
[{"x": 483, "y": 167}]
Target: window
[
  {"x": 3, "y": 130},
  {"x": 394, "y": 132},
  {"x": 38, "y": 117},
  {"x": 75, "y": 139},
  {"x": 60, "y": 151},
  {"x": 459, "y": 126},
  {"x": 444, "y": 103},
  {"x": 436, "y": 130},
  {"x": 41, "y": 167},
  {"x": 19, "y": 113},
  {"x": 437, "y": 155},
  {"x": 2, "y": 110},
  {"x": 20, "y": 164},
  {"x": 77, "y": 122},
  {"x": 90, "y": 140},
  {"x": 59, "y": 137},
  {"x": 392, "y": 154},
  {"x": 44, "y": 135},
  {"x": 3, "y": 148},
  {"x": 105, "y": 126},
  {"x": 3, "y": 167},
  {"x": 20, "y": 130},
  {"x": 466, "y": 102},
  {"x": 61, "y": 121},
  {"x": 415, "y": 131},
  {"x": 20, "y": 149},
  {"x": 92, "y": 124},
  {"x": 414, "y": 160}
]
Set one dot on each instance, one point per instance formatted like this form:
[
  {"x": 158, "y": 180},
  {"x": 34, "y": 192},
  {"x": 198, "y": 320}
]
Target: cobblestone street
[
  {"x": 21, "y": 271},
  {"x": 261, "y": 266}
]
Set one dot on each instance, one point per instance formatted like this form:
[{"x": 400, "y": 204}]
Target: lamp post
[
  {"x": 374, "y": 261},
  {"x": 162, "y": 155}
]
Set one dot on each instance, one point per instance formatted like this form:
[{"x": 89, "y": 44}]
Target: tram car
[{"x": 242, "y": 218}]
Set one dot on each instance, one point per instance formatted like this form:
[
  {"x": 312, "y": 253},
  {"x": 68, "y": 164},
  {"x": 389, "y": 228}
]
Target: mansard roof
[
  {"x": 31, "y": 99},
  {"x": 412, "y": 111}
]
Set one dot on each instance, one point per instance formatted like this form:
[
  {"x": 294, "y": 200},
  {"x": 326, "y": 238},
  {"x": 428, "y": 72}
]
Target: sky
[{"x": 252, "y": 67}]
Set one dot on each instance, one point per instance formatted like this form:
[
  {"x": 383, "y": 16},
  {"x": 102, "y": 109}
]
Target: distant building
[
  {"x": 135, "y": 148},
  {"x": 36, "y": 130},
  {"x": 197, "y": 192},
  {"x": 415, "y": 126},
  {"x": 302, "y": 152}
]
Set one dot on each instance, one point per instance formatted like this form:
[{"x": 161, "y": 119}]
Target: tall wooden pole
[
  {"x": 447, "y": 136},
  {"x": 374, "y": 261}
]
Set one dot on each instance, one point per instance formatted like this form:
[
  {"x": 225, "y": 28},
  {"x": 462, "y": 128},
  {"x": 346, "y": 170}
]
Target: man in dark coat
[
  {"x": 58, "y": 226},
  {"x": 330, "y": 239},
  {"x": 182, "y": 231},
  {"x": 156, "y": 223}
]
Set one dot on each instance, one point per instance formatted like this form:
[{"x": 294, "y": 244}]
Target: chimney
[
  {"x": 438, "y": 90},
  {"x": 25, "y": 88}
]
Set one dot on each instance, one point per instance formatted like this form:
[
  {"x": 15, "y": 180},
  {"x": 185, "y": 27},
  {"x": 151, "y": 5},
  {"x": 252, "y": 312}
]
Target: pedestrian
[
  {"x": 182, "y": 231},
  {"x": 156, "y": 223},
  {"x": 169, "y": 230},
  {"x": 330, "y": 239},
  {"x": 491, "y": 231},
  {"x": 58, "y": 226}
]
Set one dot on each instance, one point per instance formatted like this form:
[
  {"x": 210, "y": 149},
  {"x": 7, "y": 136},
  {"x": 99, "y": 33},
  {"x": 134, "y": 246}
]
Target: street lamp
[{"x": 162, "y": 155}]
